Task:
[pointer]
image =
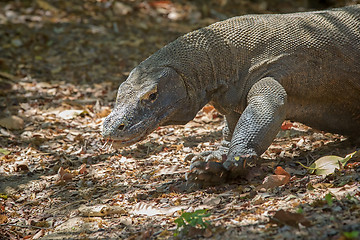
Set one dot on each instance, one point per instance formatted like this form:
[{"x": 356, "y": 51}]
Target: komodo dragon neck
[{"x": 207, "y": 62}]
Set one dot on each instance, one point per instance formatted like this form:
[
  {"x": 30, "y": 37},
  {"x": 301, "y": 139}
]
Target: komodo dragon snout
[{"x": 146, "y": 100}]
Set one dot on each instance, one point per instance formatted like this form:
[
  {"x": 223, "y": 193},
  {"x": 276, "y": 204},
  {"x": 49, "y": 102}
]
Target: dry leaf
[
  {"x": 43, "y": 224},
  {"x": 82, "y": 169},
  {"x": 103, "y": 112},
  {"x": 65, "y": 175},
  {"x": 208, "y": 108},
  {"x": 287, "y": 125},
  {"x": 12, "y": 123},
  {"x": 280, "y": 171},
  {"x": 61, "y": 172},
  {"x": 121, "y": 8},
  {"x": 100, "y": 210},
  {"x": 282, "y": 217},
  {"x": 39, "y": 234},
  {"x": 46, "y": 6},
  {"x": 149, "y": 210},
  {"x": 170, "y": 170},
  {"x": 207, "y": 233},
  {"x": 21, "y": 166},
  {"x": 212, "y": 201},
  {"x": 281, "y": 178},
  {"x": 8, "y": 76},
  {"x": 3, "y": 219},
  {"x": 70, "y": 114}
]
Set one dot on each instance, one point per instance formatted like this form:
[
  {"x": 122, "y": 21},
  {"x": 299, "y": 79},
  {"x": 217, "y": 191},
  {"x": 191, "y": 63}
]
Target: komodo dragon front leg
[{"x": 254, "y": 132}]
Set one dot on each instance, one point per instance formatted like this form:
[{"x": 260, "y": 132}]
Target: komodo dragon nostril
[{"x": 121, "y": 127}]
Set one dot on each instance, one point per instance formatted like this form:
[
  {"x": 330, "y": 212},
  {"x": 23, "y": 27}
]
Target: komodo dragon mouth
[
  {"x": 125, "y": 143},
  {"x": 143, "y": 128}
]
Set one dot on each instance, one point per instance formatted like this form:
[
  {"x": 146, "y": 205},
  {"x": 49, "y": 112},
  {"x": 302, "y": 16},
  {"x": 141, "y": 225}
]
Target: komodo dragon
[{"x": 257, "y": 70}]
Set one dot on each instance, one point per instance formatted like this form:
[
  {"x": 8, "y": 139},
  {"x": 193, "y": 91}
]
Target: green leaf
[
  {"x": 300, "y": 210},
  {"x": 193, "y": 222},
  {"x": 4, "y": 151},
  {"x": 187, "y": 216},
  {"x": 351, "y": 235},
  {"x": 309, "y": 168},
  {"x": 180, "y": 222},
  {"x": 326, "y": 165},
  {"x": 193, "y": 219},
  {"x": 351, "y": 155},
  {"x": 3, "y": 196},
  {"x": 329, "y": 199}
]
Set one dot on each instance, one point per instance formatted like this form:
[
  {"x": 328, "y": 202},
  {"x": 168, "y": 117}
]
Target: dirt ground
[{"x": 60, "y": 65}]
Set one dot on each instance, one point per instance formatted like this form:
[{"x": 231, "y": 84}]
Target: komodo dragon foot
[{"x": 212, "y": 168}]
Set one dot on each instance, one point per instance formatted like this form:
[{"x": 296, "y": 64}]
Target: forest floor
[{"x": 60, "y": 65}]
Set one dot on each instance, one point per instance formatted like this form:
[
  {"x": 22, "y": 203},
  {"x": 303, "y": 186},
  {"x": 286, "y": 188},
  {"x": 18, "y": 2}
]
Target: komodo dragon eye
[{"x": 152, "y": 97}]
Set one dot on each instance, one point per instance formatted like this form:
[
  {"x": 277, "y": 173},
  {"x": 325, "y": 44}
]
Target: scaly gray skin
[{"x": 257, "y": 70}]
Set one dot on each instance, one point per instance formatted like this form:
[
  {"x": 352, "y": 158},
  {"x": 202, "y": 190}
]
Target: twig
[
  {"x": 23, "y": 226},
  {"x": 107, "y": 140}
]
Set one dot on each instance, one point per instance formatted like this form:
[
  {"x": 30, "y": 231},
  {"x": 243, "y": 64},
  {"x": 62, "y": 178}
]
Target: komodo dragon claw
[
  {"x": 212, "y": 171},
  {"x": 207, "y": 173}
]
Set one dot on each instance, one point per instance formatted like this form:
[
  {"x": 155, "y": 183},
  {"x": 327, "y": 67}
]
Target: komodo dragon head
[{"x": 150, "y": 97}]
